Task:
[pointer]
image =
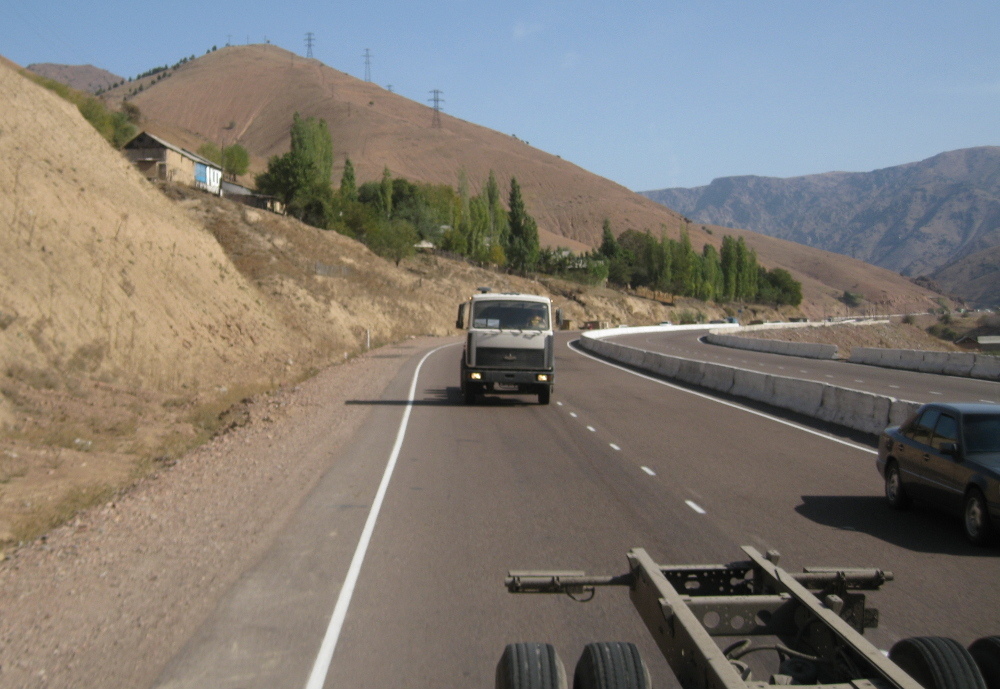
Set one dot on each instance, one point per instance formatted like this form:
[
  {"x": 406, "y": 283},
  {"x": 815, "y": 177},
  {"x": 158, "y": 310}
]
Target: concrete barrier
[
  {"x": 963, "y": 364},
  {"x": 855, "y": 409},
  {"x": 807, "y": 350}
]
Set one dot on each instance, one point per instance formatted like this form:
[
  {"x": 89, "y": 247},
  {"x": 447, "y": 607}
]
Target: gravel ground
[{"x": 108, "y": 599}]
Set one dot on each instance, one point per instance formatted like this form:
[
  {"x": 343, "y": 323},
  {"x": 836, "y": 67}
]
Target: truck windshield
[{"x": 510, "y": 315}]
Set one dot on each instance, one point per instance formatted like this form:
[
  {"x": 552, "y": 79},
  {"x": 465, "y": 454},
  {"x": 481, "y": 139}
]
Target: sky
[{"x": 665, "y": 93}]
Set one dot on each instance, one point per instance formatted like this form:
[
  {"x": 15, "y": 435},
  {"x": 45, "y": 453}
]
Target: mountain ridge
[{"x": 916, "y": 219}]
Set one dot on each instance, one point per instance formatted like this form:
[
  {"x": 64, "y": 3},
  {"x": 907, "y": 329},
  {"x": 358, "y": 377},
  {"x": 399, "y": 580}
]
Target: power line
[
  {"x": 309, "y": 44},
  {"x": 437, "y": 100},
  {"x": 368, "y": 65}
]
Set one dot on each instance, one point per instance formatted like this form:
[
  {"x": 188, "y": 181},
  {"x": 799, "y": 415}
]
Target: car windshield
[
  {"x": 510, "y": 315},
  {"x": 982, "y": 433}
]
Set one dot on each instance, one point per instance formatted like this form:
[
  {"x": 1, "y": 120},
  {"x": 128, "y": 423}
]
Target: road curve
[{"x": 617, "y": 460}]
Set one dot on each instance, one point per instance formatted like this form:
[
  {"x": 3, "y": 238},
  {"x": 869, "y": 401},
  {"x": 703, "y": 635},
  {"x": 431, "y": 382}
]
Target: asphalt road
[
  {"x": 617, "y": 460},
  {"x": 908, "y": 385}
]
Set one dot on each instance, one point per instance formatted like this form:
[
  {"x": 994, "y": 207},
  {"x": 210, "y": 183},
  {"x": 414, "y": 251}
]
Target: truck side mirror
[
  {"x": 460, "y": 322},
  {"x": 559, "y": 318}
]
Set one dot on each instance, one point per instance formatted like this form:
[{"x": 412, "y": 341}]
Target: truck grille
[{"x": 503, "y": 357}]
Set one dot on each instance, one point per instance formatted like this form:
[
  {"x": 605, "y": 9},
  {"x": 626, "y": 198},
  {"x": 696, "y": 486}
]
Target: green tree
[
  {"x": 348, "y": 183},
  {"x": 523, "y": 246},
  {"x": 386, "y": 192},
  {"x": 235, "y": 161},
  {"x": 210, "y": 151},
  {"x": 609, "y": 243},
  {"x": 393, "y": 239},
  {"x": 301, "y": 177}
]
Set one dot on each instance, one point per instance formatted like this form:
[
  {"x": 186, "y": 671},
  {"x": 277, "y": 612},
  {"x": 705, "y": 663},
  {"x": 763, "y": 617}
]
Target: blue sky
[{"x": 649, "y": 94}]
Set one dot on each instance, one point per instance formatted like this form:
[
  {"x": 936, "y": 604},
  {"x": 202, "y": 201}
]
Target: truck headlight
[
  {"x": 542, "y": 377},
  {"x": 475, "y": 376}
]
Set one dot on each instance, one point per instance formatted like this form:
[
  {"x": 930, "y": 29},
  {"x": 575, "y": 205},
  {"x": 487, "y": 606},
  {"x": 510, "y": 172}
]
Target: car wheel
[
  {"x": 986, "y": 653},
  {"x": 530, "y": 666},
  {"x": 978, "y": 528},
  {"x": 937, "y": 662},
  {"x": 611, "y": 665},
  {"x": 895, "y": 493}
]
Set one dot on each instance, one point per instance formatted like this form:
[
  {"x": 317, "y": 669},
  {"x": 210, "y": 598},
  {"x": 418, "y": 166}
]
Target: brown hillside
[
  {"x": 248, "y": 94},
  {"x": 81, "y": 77}
]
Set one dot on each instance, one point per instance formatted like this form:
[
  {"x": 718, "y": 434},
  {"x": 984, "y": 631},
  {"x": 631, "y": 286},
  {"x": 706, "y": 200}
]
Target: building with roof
[{"x": 160, "y": 160}]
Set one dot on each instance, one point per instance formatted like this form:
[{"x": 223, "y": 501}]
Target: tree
[
  {"x": 348, "y": 184},
  {"x": 609, "y": 244},
  {"x": 522, "y": 246},
  {"x": 301, "y": 177},
  {"x": 393, "y": 239},
  {"x": 235, "y": 161},
  {"x": 386, "y": 192}
]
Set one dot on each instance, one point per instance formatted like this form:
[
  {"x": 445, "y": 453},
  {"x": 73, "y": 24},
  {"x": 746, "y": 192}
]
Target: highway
[
  {"x": 908, "y": 385},
  {"x": 617, "y": 460}
]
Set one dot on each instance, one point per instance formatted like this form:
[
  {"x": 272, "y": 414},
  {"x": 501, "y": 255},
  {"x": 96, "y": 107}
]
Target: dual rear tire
[{"x": 606, "y": 665}]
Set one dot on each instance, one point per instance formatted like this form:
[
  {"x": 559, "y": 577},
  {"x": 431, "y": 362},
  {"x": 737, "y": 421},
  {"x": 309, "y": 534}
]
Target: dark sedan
[{"x": 947, "y": 455}]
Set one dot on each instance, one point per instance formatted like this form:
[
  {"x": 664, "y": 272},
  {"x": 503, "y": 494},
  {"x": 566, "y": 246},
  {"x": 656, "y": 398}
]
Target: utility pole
[
  {"x": 437, "y": 100},
  {"x": 309, "y": 44},
  {"x": 368, "y": 65}
]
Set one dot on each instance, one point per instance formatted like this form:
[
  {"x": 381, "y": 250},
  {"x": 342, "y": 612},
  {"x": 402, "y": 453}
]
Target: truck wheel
[
  {"x": 937, "y": 663},
  {"x": 976, "y": 518},
  {"x": 611, "y": 665},
  {"x": 468, "y": 395},
  {"x": 986, "y": 653},
  {"x": 895, "y": 494},
  {"x": 543, "y": 396},
  {"x": 530, "y": 666}
]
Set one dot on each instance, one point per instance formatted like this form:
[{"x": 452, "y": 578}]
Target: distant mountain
[
  {"x": 81, "y": 77},
  {"x": 975, "y": 278},
  {"x": 913, "y": 219}
]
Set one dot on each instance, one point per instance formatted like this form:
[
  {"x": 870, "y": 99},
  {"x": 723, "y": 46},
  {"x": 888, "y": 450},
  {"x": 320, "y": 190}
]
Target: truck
[
  {"x": 803, "y": 628},
  {"x": 509, "y": 345}
]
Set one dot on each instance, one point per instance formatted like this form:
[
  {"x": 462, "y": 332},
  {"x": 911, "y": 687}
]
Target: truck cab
[{"x": 509, "y": 345}]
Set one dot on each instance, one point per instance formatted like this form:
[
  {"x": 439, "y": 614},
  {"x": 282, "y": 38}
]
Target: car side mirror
[{"x": 949, "y": 449}]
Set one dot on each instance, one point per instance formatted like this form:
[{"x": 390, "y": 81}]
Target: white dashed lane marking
[
  {"x": 615, "y": 447},
  {"x": 695, "y": 506},
  {"x": 591, "y": 429},
  {"x": 649, "y": 471}
]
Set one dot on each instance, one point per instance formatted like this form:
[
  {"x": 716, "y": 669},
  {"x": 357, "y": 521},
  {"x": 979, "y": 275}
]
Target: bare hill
[
  {"x": 913, "y": 218},
  {"x": 248, "y": 94},
  {"x": 81, "y": 77},
  {"x": 975, "y": 278}
]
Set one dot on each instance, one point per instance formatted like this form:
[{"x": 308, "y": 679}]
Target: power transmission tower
[
  {"x": 309, "y": 44},
  {"x": 368, "y": 65},
  {"x": 437, "y": 100}
]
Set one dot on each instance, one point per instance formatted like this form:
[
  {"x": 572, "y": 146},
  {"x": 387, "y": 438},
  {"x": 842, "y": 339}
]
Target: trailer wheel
[
  {"x": 611, "y": 665},
  {"x": 530, "y": 666},
  {"x": 937, "y": 663},
  {"x": 976, "y": 517},
  {"x": 986, "y": 653},
  {"x": 895, "y": 494}
]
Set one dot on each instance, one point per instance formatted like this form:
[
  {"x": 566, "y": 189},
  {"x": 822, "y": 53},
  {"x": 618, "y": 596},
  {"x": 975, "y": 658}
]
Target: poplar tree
[
  {"x": 348, "y": 182},
  {"x": 522, "y": 247}
]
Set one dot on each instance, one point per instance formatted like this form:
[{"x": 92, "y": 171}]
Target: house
[
  {"x": 160, "y": 160},
  {"x": 249, "y": 197}
]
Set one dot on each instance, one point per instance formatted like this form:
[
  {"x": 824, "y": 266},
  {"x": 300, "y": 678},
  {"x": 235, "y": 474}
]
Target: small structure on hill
[{"x": 161, "y": 160}]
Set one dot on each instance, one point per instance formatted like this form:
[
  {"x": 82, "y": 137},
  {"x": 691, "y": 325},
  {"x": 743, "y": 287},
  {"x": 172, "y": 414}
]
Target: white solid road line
[
  {"x": 569, "y": 345},
  {"x": 321, "y": 667}
]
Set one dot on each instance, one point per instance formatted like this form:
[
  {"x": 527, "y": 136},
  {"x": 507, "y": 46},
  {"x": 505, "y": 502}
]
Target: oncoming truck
[{"x": 509, "y": 345}]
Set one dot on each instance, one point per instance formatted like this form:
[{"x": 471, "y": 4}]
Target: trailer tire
[
  {"x": 895, "y": 493},
  {"x": 986, "y": 653},
  {"x": 611, "y": 665},
  {"x": 530, "y": 666},
  {"x": 937, "y": 662}
]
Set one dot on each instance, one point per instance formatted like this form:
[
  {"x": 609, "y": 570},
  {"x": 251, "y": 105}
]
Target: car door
[
  {"x": 912, "y": 450},
  {"x": 946, "y": 475}
]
